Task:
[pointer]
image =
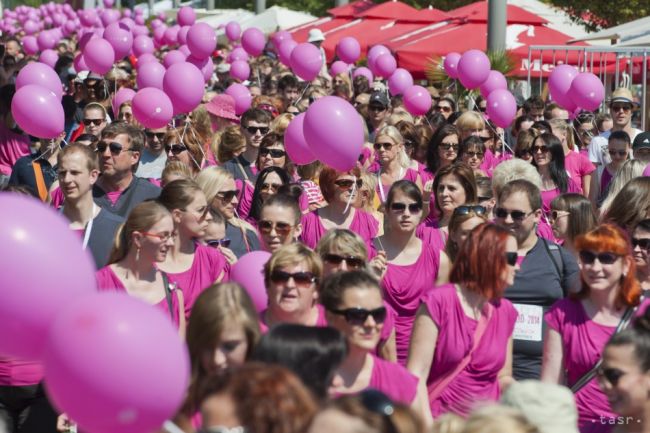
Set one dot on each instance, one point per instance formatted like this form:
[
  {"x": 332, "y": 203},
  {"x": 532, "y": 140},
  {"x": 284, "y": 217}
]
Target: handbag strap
[
  {"x": 40, "y": 181},
  {"x": 168, "y": 294},
  {"x": 441, "y": 382},
  {"x": 588, "y": 376}
]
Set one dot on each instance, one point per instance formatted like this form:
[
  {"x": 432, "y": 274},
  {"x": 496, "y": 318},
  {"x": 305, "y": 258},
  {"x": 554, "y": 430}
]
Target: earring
[{"x": 137, "y": 255}]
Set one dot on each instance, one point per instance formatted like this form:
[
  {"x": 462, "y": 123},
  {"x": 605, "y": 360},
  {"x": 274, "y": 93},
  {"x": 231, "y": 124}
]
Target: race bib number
[{"x": 529, "y": 322}]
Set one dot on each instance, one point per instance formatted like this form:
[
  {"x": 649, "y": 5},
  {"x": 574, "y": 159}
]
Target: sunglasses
[
  {"x": 516, "y": 215},
  {"x": 555, "y": 214},
  {"x": 617, "y": 152},
  {"x": 588, "y": 258},
  {"x": 523, "y": 152},
  {"x": 227, "y": 196},
  {"x": 175, "y": 149},
  {"x": 267, "y": 227},
  {"x": 443, "y": 108},
  {"x": 464, "y": 210},
  {"x": 377, "y": 108},
  {"x": 611, "y": 375},
  {"x": 511, "y": 258},
  {"x": 351, "y": 261},
  {"x": 359, "y": 316},
  {"x": 159, "y": 135},
  {"x": 478, "y": 155},
  {"x": 270, "y": 187},
  {"x": 617, "y": 107},
  {"x": 275, "y": 153},
  {"x": 95, "y": 122},
  {"x": 164, "y": 236},
  {"x": 483, "y": 198},
  {"x": 542, "y": 149},
  {"x": 300, "y": 278},
  {"x": 347, "y": 183},
  {"x": 255, "y": 129},
  {"x": 644, "y": 244},
  {"x": 378, "y": 146},
  {"x": 485, "y": 139},
  {"x": 114, "y": 147},
  {"x": 214, "y": 243},
  {"x": 449, "y": 146},
  {"x": 401, "y": 207}
]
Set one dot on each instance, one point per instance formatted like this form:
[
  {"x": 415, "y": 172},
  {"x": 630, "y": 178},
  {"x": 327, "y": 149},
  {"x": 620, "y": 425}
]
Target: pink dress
[
  {"x": 363, "y": 224},
  {"x": 107, "y": 281},
  {"x": 393, "y": 380},
  {"x": 209, "y": 265},
  {"x": 403, "y": 287},
  {"x": 321, "y": 320},
  {"x": 478, "y": 381}
]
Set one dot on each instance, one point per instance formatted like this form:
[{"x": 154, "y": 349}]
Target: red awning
[
  {"x": 478, "y": 12},
  {"x": 394, "y": 10},
  {"x": 351, "y": 10}
]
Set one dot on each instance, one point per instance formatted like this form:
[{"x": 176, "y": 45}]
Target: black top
[
  {"x": 237, "y": 244},
  {"x": 23, "y": 172},
  {"x": 138, "y": 191},
  {"x": 102, "y": 236},
  {"x": 235, "y": 165}
]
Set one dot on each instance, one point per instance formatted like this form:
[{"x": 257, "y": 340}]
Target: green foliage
[{"x": 594, "y": 15}]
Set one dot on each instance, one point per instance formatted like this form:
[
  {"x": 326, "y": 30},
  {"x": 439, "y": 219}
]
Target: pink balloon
[
  {"x": 233, "y": 31},
  {"x": 85, "y": 38},
  {"x": 49, "y": 57},
  {"x": 473, "y": 68},
  {"x": 306, "y": 61},
  {"x": 339, "y": 67},
  {"x": 324, "y": 121},
  {"x": 365, "y": 72},
  {"x": 172, "y": 57},
  {"x": 79, "y": 63},
  {"x": 417, "y": 100},
  {"x": 249, "y": 272},
  {"x": 182, "y": 35},
  {"x": 495, "y": 80},
  {"x": 285, "y": 50},
  {"x": 238, "y": 54},
  {"x": 152, "y": 108},
  {"x": 348, "y": 49},
  {"x": 30, "y": 27},
  {"x": 295, "y": 143},
  {"x": 208, "y": 70},
  {"x": 186, "y": 16},
  {"x": 240, "y": 70},
  {"x": 385, "y": 65},
  {"x": 242, "y": 96},
  {"x": 171, "y": 35},
  {"x": 41, "y": 75},
  {"x": 120, "y": 38},
  {"x": 501, "y": 107},
  {"x": 109, "y": 16},
  {"x": 253, "y": 41},
  {"x": 127, "y": 21},
  {"x": 279, "y": 37},
  {"x": 201, "y": 40},
  {"x": 183, "y": 49},
  {"x": 69, "y": 27},
  {"x": 142, "y": 44},
  {"x": 399, "y": 81},
  {"x": 108, "y": 3},
  {"x": 587, "y": 91},
  {"x": 145, "y": 58},
  {"x": 151, "y": 74},
  {"x": 99, "y": 55},
  {"x": 32, "y": 300},
  {"x": 123, "y": 95},
  {"x": 86, "y": 370},
  {"x": 46, "y": 40},
  {"x": 88, "y": 17},
  {"x": 38, "y": 111},
  {"x": 30, "y": 45},
  {"x": 184, "y": 84},
  {"x": 559, "y": 83},
  {"x": 376, "y": 51},
  {"x": 159, "y": 34},
  {"x": 451, "y": 64}
]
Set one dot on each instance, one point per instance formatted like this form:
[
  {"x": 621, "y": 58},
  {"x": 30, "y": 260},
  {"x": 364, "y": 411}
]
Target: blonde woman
[
  {"x": 630, "y": 169},
  {"x": 281, "y": 123},
  {"x": 222, "y": 195}
]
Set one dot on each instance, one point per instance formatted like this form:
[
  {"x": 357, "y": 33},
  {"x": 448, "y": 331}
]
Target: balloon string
[
  {"x": 501, "y": 136},
  {"x": 302, "y": 94}
]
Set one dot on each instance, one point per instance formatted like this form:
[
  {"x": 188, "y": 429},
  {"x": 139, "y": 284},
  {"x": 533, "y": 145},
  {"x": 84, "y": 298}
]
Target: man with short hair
[
  {"x": 378, "y": 112},
  {"x": 289, "y": 89},
  {"x": 78, "y": 172},
  {"x": 118, "y": 190},
  {"x": 547, "y": 273},
  {"x": 641, "y": 147},
  {"x": 254, "y": 126},
  {"x": 554, "y": 111},
  {"x": 153, "y": 159},
  {"x": 620, "y": 106},
  {"x": 534, "y": 107}
]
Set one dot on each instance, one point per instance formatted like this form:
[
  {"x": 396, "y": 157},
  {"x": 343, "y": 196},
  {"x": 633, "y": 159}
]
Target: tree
[{"x": 594, "y": 15}]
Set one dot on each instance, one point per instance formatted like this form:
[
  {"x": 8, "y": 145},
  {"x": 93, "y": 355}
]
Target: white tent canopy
[
  {"x": 557, "y": 19},
  {"x": 221, "y": 17},
  {"x": 623, "y": 32},
  {"x": 277, "y": 18}
]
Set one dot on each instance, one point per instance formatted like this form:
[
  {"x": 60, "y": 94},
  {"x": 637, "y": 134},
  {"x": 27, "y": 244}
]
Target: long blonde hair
[{"x": 394, "y": 134}]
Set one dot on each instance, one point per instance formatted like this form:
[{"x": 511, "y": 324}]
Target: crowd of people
[{"x": 460, "y": 278}]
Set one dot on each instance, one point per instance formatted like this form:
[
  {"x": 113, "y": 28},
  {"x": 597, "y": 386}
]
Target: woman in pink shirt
[
  {"x": 580, "y": 326},
  {"x": 461, "y": 348},
  {"x": 354, "y": 306},
  {"x": 191, "y": 266},
  {"x": 144, "y": 241}
]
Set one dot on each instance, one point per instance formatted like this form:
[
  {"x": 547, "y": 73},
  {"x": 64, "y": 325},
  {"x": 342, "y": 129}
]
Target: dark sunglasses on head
[
  {"x": 175, "y": 149},
  {"x": 359, "y": 316},
  {"x": 449, "y": 146},
  {"x": 536, "y": 149},
  {"x": 158, "y": 135},
  {"x": 275, "y": 153},
  {"x": 255, "y": 129},
  {"x": 227, "y": 196},
  {"x": 511, "y": 258},
  {"x": 401, "y": 207},
  {"x": 347, "y": 183},
  {"x": 644, "y": 244},
  {"x": 115, "y": 147},
  {"x": 351, "y": 261},
  {"x": 378, "y": 146},
  {"x": 588, "y": 257},
  {"x": 611, "y": 375},
  {"x": 300, "y": 278},
  {"x": 464, "y": 210},
  {"x": 267, "y": 227},
  {"x": 617, "y": 152},
  {"x": 95, "y": 122},
  {"x": 214, "y": 243},
  {"x": 516, "y": 215}
]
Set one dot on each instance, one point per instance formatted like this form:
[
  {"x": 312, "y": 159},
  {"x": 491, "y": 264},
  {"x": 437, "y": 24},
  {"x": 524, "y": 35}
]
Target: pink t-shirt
[
  {"x": 578, "y": 166},
  {"x": 393, "y": 380},
  {"x": 646, "y": 171},
  {"x": 321, "y": 320},
  {"x": 12, "y": 147},
  {"x": 208, "y": 266},
  {"x": 605, "y": 179},
  {"x": 57, "y": 198},
  {"x": 363, "y": 224},
  {"x": 433, "y": 237},
  {"x": 18, "y": 372},
  {"x": 382, "y": 192},
  {"x": 403, "y": 287},
  {"x": 107, "y": 281},
  {"x": 425, "y": 174},
  {"x": 478, "y": 381},
  {"x": 113, "y": 196},
  {"x": 490, "y": 160},
  {"x": 548, "y": 196},
  {"x": 245, "y": 198}
]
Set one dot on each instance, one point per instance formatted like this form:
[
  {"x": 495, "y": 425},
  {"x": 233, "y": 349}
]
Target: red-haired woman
[
  {"x": 580, "y": 326},
  {"x": 461, "y": 347}
]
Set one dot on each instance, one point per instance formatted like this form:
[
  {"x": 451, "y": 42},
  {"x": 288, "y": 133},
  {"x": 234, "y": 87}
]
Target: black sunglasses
[
  {"x": 214, "y": 243},
  {"x": 273, "y": 187},
  {"x": 358, "y": 316},
  {"x": 511, "y": 258},
  {"x": 401, "y": 207},
  {"x": 611, "y": 375},
  {"x": 644, "y": 244},
  {"x": 227, "y": 196},
  {"x": 158, "y": 135},
  {"x": 275, "y": 153},
  {"x": 478, "y": 155},
  {"x": 267, "y": 227},
  {"x": 484, "y": 198},
  {"x": 95, "y": 122},
  {"x": 254, "y": 129},
  {"x": 485, "y": 139},
  {"x": 347, "y": 183},
  {"x": 464, "y": 210},
  {"x": 115, "y": 147},
  {"x": 588, "y": 257},
  {"x": 617, "y": 152},
  {"x": 543, "y": 149},
  {"x": 516, "y": 215},
  {"x": 351, "y": 261},
  {"x": 449, "y": 146},
  {"x": 378, "y": 146},
  {"x": 175, "y": 149},
  {"x": 300, "y": 278}
]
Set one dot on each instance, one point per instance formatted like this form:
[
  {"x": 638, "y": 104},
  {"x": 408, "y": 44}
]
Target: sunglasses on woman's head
[
  {"x": 351, "y": 261},
  {"x": 175, "y": 149},
  {"x": 464, "y": 210},
  {"x": 227, "y": 196},
  {"x": 347, "y": 183},
  {"x": 275, "y": 153},
  {"x": 401, "y": 207},
  {"x": 267, "y": 227},
  {"x": 359, "y": 316},
  {"x": 300, "y": 278},
  {"x": 115, "y": 147},
  {"x": 589, "y": 257}
]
